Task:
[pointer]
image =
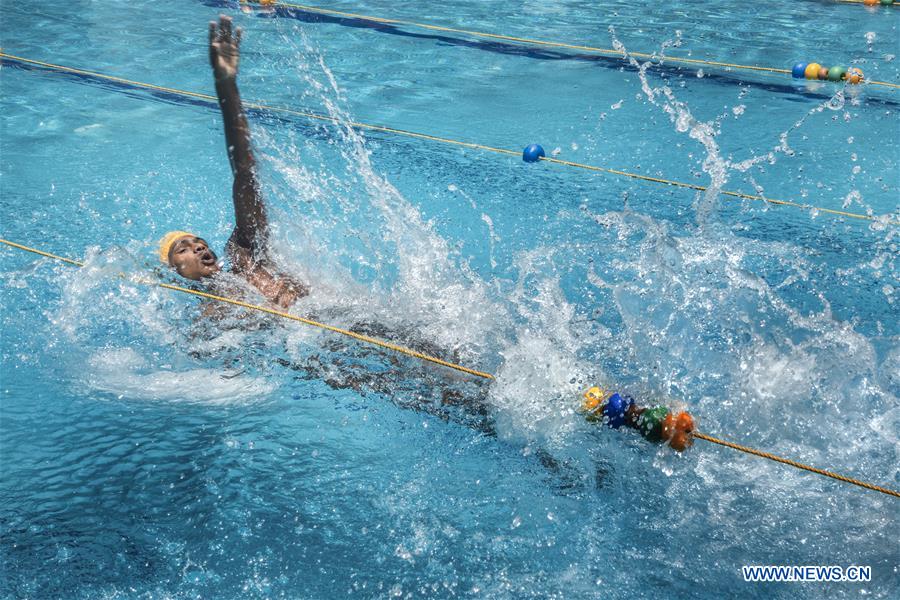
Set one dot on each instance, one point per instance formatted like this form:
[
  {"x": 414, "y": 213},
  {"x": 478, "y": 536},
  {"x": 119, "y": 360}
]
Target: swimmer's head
[{"x": 188, "y": 254}]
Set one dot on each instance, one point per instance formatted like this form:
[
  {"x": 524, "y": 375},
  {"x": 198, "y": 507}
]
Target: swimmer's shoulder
[{"x": 278, "y": 288}]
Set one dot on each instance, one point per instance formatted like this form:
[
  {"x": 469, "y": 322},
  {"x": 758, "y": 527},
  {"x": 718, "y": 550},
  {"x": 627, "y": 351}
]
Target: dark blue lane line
[
  {"x": 301, "y": 124},
  {"x": 107, "y": 84},
  {"x": 792, "y": 92}
]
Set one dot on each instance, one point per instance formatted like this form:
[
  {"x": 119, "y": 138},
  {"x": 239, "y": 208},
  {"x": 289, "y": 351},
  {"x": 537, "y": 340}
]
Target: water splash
[
  {"x": 717, "y": 167},
  {"x": 124, "y": 373},
  {"x": 418, "y": 280},
  {"x": 411, "y": 274},
  {"x": 716, "y": 320},
  {"x": 542, "y": 376}
]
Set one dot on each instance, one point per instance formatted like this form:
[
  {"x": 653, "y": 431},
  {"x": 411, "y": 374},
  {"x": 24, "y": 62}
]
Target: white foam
[{"x": 126, "y": 374}]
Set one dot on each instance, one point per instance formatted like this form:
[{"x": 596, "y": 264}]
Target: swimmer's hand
[{"x": 224, "y": 48}]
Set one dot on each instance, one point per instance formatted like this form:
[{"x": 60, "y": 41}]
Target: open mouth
[{"x": 208, "y": 259}]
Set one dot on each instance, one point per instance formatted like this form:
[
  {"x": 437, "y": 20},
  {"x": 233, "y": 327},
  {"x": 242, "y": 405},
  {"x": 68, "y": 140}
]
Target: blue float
[
  {"x": 533, "y": 153},
  {"x": 614, "y": 410},
  {"x": 799, "y": 71}
]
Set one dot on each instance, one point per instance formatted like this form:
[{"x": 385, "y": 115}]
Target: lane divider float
[{"x": 852, "y": 75}]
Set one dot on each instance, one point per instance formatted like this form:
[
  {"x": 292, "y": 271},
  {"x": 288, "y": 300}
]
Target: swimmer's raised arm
[{"x": 251, "y": 222}]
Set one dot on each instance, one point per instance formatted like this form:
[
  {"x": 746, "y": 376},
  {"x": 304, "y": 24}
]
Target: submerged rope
[
  {"x": 424, "y": 136},
  {"x": 545, "y": 43},
  {"x": 432, "y": 359}
]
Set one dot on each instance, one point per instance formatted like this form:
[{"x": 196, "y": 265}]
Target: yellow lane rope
[
  {"x": 425, "y": 357},
  {"x": 545, "y": 43},
  {"x": 278, "y": 313},
  {"x": 70, "y": 261},
  {"x": 797, "y": 465},
  {"x": 443, "y": 140},
  {"x": 352, "y": 334}
]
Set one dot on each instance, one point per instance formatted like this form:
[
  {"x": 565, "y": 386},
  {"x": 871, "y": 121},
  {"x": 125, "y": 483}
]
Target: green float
[{"x": 837, "y": 73}]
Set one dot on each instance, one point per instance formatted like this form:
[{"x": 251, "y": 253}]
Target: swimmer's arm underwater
[{"x": 251, "y": 222}]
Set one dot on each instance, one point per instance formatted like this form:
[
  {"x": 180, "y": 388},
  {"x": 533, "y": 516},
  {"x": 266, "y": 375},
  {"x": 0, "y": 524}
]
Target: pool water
[{"x": 148, "y": 452}]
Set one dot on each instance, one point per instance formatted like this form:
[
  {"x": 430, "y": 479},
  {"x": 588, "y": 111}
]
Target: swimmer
[
  {"x": 247, "y": 248},
  {"x": 191, "y": 258}
]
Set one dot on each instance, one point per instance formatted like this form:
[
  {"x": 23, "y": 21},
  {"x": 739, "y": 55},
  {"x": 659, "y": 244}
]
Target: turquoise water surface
[{"x": 148, "y": 452}]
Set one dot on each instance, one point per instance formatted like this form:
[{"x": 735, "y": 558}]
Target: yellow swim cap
[{"x": 165, "y": 244}]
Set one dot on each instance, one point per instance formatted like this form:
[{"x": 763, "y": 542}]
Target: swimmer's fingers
[
  {"x": 225, "y": 25},
  {"x": 212, "y": 42},
  {"x": 224, "y": 41}
]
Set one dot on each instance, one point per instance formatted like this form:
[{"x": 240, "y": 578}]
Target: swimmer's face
[{"x": 191, "y": 257}]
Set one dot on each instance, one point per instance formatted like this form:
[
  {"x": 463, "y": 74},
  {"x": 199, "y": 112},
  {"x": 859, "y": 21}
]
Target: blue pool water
[{"x": 148, "y": 453}]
